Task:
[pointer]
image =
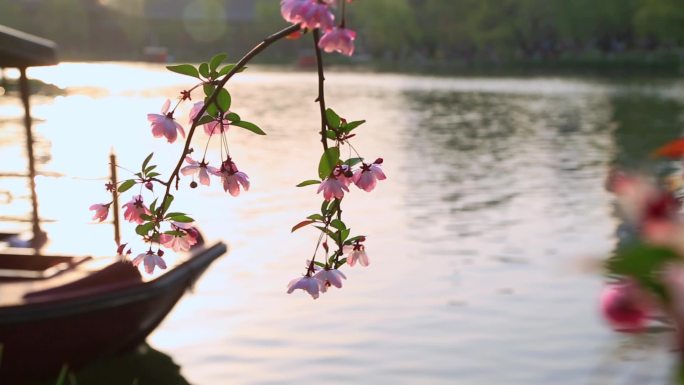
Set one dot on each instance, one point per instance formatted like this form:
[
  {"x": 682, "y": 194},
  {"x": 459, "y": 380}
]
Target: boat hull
[{"x": 39, "y": 338}]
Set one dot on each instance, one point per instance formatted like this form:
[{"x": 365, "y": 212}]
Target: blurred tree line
[{"x": 393, "y": 30}]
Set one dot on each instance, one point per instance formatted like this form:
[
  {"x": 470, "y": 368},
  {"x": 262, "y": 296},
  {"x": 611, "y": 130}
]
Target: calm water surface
[{"x": 479, "y": 240}]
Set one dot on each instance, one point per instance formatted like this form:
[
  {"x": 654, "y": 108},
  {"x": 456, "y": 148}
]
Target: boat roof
[{"x": 20, "y": 49}]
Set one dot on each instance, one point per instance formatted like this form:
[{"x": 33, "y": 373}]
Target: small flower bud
[
  {"x": 149, "y": 185},
  {"x": 378, "y": 161},
  {"x": 193, "y": 184},
  {"x": 160, "y": 252}
]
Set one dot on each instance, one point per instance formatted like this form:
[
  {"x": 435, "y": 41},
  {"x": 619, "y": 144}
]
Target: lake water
[{"x": 481, "y": 239}]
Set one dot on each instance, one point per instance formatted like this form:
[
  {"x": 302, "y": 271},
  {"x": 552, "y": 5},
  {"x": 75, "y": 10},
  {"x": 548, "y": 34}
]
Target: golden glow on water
[{"x": 492, "y": 185}]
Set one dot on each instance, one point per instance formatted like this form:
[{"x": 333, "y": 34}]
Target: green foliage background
[{"x": 400, "y": 31}]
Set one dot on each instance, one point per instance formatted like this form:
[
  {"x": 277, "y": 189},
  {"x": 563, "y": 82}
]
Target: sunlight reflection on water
[{"x": 494, "y": 193}]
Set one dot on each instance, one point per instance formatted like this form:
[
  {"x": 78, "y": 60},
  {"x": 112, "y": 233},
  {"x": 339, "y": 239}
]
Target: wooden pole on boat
[
  {"x": 38, "y": 235},
  {"x": 3, "y": 82},
  {"x": 115, "y": 198}
]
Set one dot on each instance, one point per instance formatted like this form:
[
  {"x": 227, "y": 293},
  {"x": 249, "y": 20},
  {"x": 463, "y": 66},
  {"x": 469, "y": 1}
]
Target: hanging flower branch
[{"x": 160, "y": 227}]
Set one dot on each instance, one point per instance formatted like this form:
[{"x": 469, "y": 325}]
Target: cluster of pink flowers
[
  {"x": 338, "y": 182},
  {"x": 312, "y": 14},
  {"x": 652, "y": 213}
]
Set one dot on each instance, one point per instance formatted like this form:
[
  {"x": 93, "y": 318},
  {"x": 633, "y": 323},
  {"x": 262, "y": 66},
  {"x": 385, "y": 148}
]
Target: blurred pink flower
[
  {"x": 216, "y": 127},
  {"x": 309, "y": 13},
  {"x": 101, "y": 211},
  {"x": 625, "y": 306},
  {"x": 151, "y": 260},
  {"x": 306, "y": 283},
  {"x": 332, "y": 188},
  {"x": 653, "y": 210},
  {"x": 195, "y": 167},
  {"x": 367, "y": 176},
  {"x": 164, "y": 124},
  {"x": 356, "y": 253},
  {"x": 178, "y": 242},
  {"x": 329, "y": 277},
  {"x": 134, "y": 208},
  {"x": 338, "y": 39},
  {"x": 231, "y": 177}
]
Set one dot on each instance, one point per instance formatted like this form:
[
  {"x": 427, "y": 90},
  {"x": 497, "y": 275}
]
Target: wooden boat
[
  {"x": 66, "y": 309},
  {"x": 57, "y": 310}
]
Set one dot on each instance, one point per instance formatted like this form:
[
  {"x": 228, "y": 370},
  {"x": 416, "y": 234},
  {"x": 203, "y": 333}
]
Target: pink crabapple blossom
[
  {"x": 134, "y": 209},
  {"x": 625, "y": 306},
  {"x": 332, "y": 187},
  {"x": 309, "y": 13},
  {"x": 306, "y": 283},
  {"x": 344, "y": 174},
  {"x": 101, "y": 211},
  {"x": 231, "y": 177},
  {"x": 180, "y": 243},
  {"x": 338, "y": 39},
  {"x": 329, "y": 277},
  {"x": 356, "y": 253},
  {"x": 367, "y": 176},
  {"x": 164, "y": 124},
  {"x": 200, "y": 168},
  {"x": 150, "y": 260}
]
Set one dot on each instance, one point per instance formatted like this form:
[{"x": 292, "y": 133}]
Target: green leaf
[
  {"x": 340, "y": 263},
  {"x": 309, "y": 183},
  {"x": 332, "y": 118},
  {"x": 144, "y": 229},
  {"x": 204, "y": 70},
  {"x": 328, "y": 162},
  {"x": 184, "y": 69},
  {"x": 300, "y": 225},
  {"x": 352, "y": 125},
  {"x": 353, "y": 239},
  {"x": 175, "y": 214},
  {"x": 330, "y": 134},
  {"x": 228, "y": 68},
  {"x": 249, "y": 126},
  {"x": 148, "y": 169},
  {"x": 182, "y": 219},
  {"x": 324, "y": 207},
  {"x": 351, "y": 162},
  {"x": 223, "y": 100},
  {"x": 146, "y": 217},
  {"x": 126, "y": 185},
  {"x": 642, "y": 262},
  {"x": 320, "y": 264},
  {"x": 205, "y": 119},
  {"x": 153, "y": 174},
  {"x": 231, "y": 116},
  {"x": 175, "y": 233},
  {"x": 326, "y": 231},
  {"x": 208, "y": 90},
  {"x": 153, "y": 206},
  {"x": 338, "y": 224},
  {"x": 344, "y": 234},
  {"x": 316, "y": 217},
  {"x": 146, "y": 161},
  {"x": 217, "y": 60},
  {"x": 212, "y": 110},
  {"x": 62, "y": 375},
  {"x": 167, "y": 203}
]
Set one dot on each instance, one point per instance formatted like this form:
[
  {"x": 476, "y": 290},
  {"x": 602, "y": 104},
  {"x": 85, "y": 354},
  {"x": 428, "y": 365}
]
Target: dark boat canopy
[{"x": 21, "y": 50}]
